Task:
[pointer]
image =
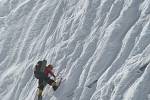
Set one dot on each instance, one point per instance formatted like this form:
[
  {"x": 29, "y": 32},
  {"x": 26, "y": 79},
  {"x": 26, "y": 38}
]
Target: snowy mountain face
[{"x": 101, "y": 48}]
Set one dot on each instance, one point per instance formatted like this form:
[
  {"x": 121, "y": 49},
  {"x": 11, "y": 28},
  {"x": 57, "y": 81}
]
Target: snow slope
[{"x": 100, "y": 47}]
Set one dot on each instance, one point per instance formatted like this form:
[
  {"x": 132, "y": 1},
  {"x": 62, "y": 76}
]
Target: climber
[{"x": 44, "y": 75}]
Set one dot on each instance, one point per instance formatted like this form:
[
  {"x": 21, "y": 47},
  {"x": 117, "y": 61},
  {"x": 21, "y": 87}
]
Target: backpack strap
[{"x": 44, "y": 62}]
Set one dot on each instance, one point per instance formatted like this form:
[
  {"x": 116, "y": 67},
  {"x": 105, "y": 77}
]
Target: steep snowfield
[{"x": 101, "y": 48}]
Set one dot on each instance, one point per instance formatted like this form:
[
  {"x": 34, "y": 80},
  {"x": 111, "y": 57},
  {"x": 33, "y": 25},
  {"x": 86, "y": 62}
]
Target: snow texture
[{"x": 101, "y": 48}]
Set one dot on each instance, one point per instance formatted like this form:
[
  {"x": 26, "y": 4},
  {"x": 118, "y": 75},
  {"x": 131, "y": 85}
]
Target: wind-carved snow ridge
[{"x": 99, "y": 47}]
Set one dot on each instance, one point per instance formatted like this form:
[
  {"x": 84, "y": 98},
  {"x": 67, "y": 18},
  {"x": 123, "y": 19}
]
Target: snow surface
[{"x": 101, "y": 48}]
